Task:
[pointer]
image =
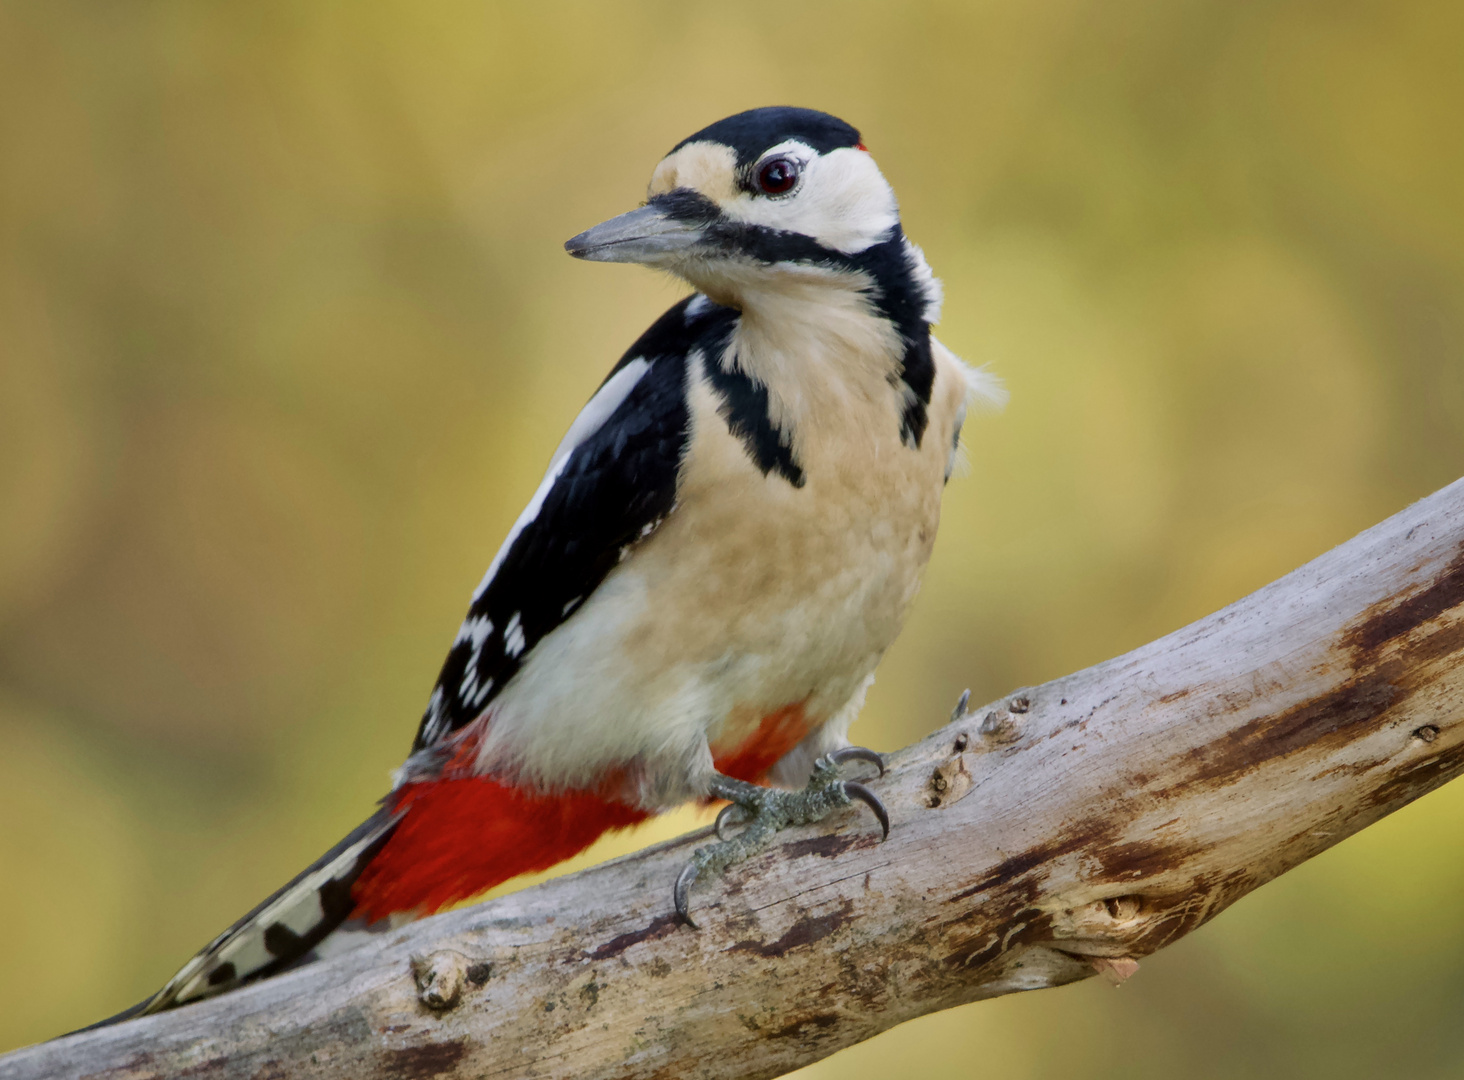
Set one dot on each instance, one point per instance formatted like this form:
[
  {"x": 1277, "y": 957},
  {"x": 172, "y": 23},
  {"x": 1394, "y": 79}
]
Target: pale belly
[
  {"x": 753, "y": 598},
  {"x": 741, "y": 605},
  {"x": 769, "y": 611}
]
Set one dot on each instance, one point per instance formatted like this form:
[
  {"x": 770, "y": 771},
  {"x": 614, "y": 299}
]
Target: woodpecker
[{"x": 724, "y": 545}]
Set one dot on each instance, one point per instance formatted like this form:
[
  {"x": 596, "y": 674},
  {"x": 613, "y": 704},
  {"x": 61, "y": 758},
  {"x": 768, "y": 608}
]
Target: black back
[{"x": 613, "y": 490}]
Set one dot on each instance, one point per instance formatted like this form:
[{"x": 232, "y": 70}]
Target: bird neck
[{"x": 851, "y": 328}]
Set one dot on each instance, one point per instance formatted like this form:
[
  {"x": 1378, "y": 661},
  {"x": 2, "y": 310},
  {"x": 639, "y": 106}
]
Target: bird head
[{"x": 763, "y": 194}]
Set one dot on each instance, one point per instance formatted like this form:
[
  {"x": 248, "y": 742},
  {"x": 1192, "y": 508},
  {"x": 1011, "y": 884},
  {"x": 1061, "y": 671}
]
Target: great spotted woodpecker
[{"x": 726, "y": 542}]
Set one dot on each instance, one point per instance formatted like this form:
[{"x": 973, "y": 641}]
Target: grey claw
[
  {"x": 682, "y": 894},
  {"x": 856, "y": 790},
  {"x": 722, "y": 819},
  {"x": 856, "y": 753}
]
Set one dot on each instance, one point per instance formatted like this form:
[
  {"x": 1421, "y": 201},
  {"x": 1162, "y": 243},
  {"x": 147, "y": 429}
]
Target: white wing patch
[
  {"x": 591, "y": 418},
  {"x": 697, "y": 305}
]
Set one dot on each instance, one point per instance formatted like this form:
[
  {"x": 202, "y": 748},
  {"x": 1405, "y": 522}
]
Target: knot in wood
[
  {"x": 999, "y": 728},
  {"x": 1113, "y": 926},
  {"x": 440, "y": 977},
  {"x": 949, "y": 783}
]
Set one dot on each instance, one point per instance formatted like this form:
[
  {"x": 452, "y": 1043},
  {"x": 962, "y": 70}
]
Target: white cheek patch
[{"x": 842, "y": 200}]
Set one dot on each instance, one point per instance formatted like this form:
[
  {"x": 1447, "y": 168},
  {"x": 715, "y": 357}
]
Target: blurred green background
[{"x": 287, "y": 336}]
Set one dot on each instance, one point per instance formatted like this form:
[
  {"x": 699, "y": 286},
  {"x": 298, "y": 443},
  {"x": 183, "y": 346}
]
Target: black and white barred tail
[{"x": 279, "y": 931}]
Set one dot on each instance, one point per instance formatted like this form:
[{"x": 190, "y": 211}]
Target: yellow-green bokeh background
[{"x": 287, "y": 335}]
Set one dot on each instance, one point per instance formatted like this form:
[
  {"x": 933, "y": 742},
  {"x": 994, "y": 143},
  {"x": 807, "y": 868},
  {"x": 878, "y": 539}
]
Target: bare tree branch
[{"x": 1061, "y": 832}]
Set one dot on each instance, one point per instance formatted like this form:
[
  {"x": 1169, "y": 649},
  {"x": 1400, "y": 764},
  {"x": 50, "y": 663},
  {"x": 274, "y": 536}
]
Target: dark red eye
[{"x": 778, "y": 176}]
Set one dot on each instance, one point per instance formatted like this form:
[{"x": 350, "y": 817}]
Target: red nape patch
[
  {"x": 777, "y": 733},
  {"x": 861, "y": 146},
  {"x": 463, "y": 836}
]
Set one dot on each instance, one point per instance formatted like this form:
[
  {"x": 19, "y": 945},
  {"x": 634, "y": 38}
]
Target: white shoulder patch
[
  {"x": 606, "y": 400},
  {"x": 591, "y": 418},
  {"x": 699, "y": 303}
]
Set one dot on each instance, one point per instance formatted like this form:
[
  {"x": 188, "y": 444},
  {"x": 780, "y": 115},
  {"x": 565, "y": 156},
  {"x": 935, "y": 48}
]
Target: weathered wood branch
[{"x": 1068, "y": 829}]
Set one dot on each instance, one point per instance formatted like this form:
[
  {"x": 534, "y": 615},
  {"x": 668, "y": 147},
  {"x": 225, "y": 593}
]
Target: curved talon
[
  {"x": 766, "y": 811},
  {"x": 682, "y": 893},
  {"x": 856, "y": 790},
  {"x": 722, "y": 819},
  {"x": 856, "y": 753}
]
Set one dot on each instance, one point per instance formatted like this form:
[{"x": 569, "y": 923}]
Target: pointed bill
[{"x": 665, "y": 227}]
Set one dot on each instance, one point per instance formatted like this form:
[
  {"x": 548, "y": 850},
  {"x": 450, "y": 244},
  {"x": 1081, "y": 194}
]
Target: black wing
[{"x": 614, "y": 487}]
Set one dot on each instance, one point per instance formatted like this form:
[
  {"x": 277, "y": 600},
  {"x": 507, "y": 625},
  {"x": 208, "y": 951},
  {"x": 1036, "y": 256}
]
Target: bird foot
[{"x": 764, "y": 812}]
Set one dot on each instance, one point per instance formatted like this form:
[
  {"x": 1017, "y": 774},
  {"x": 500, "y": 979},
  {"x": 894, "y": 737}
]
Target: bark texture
[{"x": 1061, "y": 832}]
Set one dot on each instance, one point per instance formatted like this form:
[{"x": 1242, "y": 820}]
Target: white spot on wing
[
  {"x": 482, "y": 693},
  {"x": 513, "y": 636},
  {"x": 475, "y": 630},
  {"x": 433, "y": 727}
]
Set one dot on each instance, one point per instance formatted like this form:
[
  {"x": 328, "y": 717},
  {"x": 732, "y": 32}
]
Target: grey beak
[{"x": 650, "y": 234}]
